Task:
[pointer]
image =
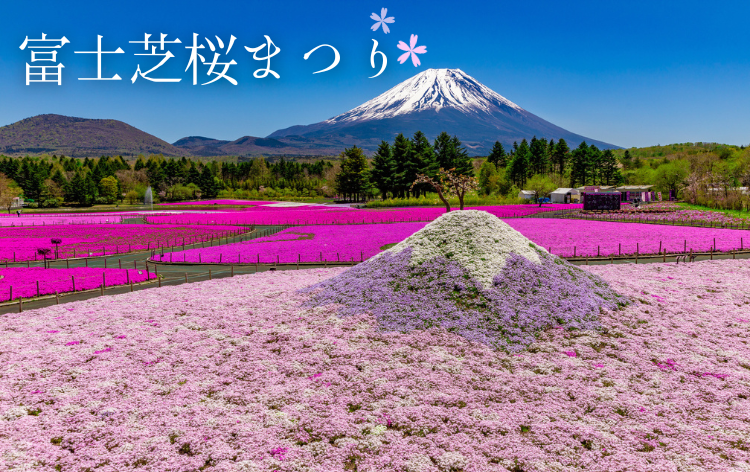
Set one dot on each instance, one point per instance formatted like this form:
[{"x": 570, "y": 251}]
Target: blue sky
[{"x": 632, "y": 73}]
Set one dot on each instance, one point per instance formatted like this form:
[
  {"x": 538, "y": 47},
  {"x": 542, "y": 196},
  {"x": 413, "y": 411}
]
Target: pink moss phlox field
[
  {"x": 236, "y": 374},
  {"x": 50, "y": 219},
  {"x": 304, "y": 244},
  {"x": 564, "y": 238},
  {"x": 94, "y": 240},
  {"x": 669, "y": 212},
  {"x": 219, "y": 203},
  {"x": 24, "y": 280},
  {"x": 265, "y": 215},
  {"x": 583, "y": 237}
]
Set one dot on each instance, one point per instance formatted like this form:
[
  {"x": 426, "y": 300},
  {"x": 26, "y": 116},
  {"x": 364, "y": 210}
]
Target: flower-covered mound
[
  {"x": 236, "y": 375},
  {"x": 81, "y": 240},
  {"x": 472, "y": 274}
]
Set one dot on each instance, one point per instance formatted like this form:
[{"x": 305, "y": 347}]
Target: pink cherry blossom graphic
[
  {"x": 382, "y": 20},
  {"x": 411, "y": 51}
]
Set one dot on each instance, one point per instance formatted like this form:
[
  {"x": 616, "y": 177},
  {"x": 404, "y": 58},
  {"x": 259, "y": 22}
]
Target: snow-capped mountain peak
[{"x": 433, "y": 89}]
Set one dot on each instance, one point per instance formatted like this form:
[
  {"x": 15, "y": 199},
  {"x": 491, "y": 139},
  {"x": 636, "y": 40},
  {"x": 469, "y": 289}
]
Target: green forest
[{"x": 706, "y": 174}]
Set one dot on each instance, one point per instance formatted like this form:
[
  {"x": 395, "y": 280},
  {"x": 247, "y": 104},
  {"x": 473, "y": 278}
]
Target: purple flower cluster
[
  {"x": 23, "y": 244},
  {"x": 524, "y": 299}
]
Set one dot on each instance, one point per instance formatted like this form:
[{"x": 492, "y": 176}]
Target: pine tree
[
  {"x": 579, "y": 165},
  {"x": 462, "y": 163},
  {"x": 550, "y": 153},
  {"x": 383, "y": 169},
  {"x": 627, "y": 160},
  {"x": 560, "y": 156},
  {"x": 610, "y": 172},
  {"x": 401, "y": 150},
  {"x": 594, "y": 165},
  {"x": 519, "y": 166},
  {"x": 353, "y": 179},
  {"x": 81, "y": 189},
  {"x": 497, "y": 155},
  {"x": 59, "y": 178},
  {"x": 538, "y": 161},
  {"x": 420, "y": 160},
  {"x": 207, "y": 183},
  {"x": 444, "y": 151}
]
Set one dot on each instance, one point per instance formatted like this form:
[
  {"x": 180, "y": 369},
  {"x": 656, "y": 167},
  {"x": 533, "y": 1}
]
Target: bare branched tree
[
  {"x": 448, "y": 183},
  {"x": 443, "y": 191}
]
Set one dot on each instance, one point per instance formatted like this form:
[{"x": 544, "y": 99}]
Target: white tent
[{"x": 565, "y": 195}]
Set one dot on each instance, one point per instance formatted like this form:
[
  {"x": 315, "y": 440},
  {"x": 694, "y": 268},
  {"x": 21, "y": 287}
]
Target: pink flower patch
[
  {"x": 711, "y": 374},
  {"x": 279, "y": 453},
  {"x": 669, "y": 364},
  {"x": 570, "y": 353}
]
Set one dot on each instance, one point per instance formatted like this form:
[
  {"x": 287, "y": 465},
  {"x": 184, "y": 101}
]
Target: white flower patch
[
  {"x": 477, "y": 240},
  {"x": 451, "y": 461},
  {"x": 378, "y": 430},
  {"x": 14, "y": 413},
  {"x": 248, "y": 466},
  {"x": 419, "y": 463}
]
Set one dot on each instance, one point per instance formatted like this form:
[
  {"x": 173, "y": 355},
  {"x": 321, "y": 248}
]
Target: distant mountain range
[{"x": 432, "y": 101}]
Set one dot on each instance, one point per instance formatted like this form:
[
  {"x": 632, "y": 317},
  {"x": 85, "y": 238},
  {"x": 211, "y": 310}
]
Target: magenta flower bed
[
  {"x": 22, "y": 282},
  {"x": 303, "y": 244},
  {"x": 240, "y": 375},
  {"x": 49, "y": 219},
  {"x": 219, "y": 202},
  {"x": 560, "y": 236},
  {"x": 303, "y": 215},
  {"x": 21, "y": 244},
  {"x": 587, "y": 238}
]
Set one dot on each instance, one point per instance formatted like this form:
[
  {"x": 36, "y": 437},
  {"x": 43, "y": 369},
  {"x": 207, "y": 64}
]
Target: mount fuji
[{"x": 433, "y": 101}]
